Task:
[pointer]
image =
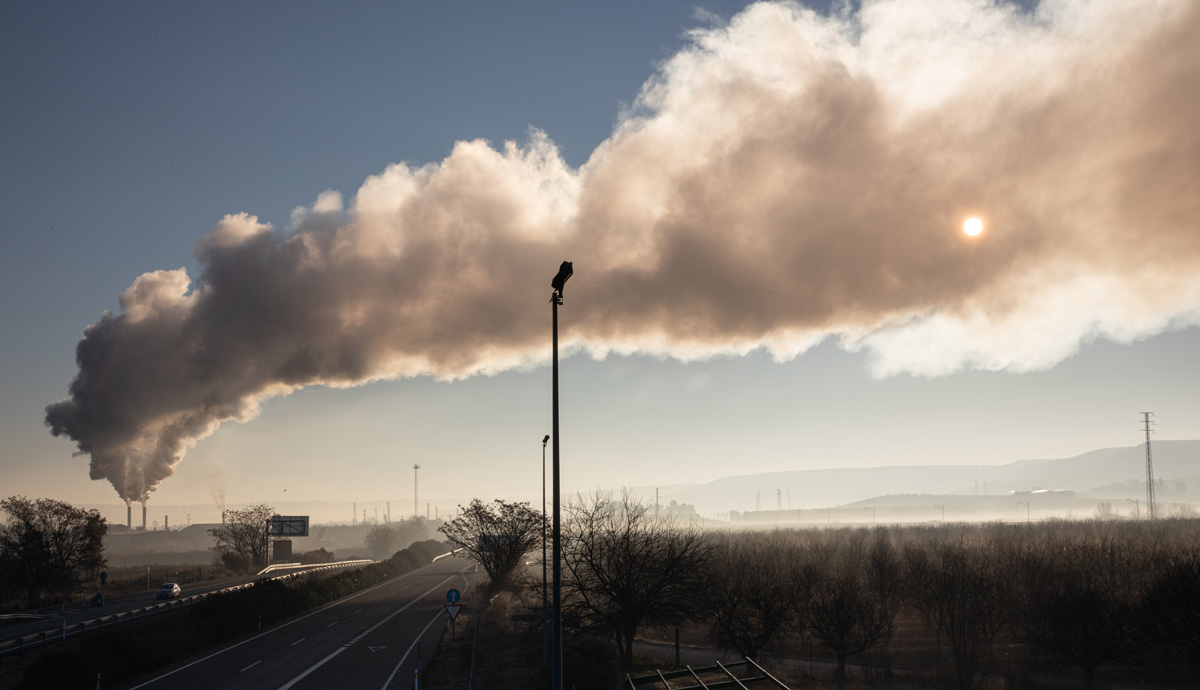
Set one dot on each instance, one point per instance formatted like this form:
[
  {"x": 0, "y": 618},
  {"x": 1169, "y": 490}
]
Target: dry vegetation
[{"x": 1044, "y": 605}]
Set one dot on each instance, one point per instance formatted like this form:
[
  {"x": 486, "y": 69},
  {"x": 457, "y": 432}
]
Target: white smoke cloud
[{"x": 785, "y": 178}]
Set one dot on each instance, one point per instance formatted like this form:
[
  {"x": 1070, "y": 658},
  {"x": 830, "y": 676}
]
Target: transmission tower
[
  {"x": 1150, "y": 508},
  {"x": 416, "y": 505}
]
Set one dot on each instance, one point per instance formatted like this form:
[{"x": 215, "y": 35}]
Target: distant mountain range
[{"x": 1096, "y": 471}]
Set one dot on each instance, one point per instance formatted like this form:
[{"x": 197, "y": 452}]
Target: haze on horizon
[{"x": 786, "y": 184}]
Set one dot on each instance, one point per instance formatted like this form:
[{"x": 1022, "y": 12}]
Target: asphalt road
[
  {"x": 365, "y": 640},
  {"x": 72, "y": 614}
]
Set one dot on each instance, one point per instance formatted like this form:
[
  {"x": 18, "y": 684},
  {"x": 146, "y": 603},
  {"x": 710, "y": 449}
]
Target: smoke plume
[{"x": 787, "y": 177}]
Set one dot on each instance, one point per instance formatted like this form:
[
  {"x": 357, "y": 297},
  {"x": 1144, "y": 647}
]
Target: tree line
[
  {"x": 1081, "y": 596},
  {"x": 48, "y": 548}
]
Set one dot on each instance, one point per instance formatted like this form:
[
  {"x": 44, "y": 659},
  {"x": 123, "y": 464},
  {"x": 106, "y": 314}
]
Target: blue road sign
[{"x": 453, "y": 596}]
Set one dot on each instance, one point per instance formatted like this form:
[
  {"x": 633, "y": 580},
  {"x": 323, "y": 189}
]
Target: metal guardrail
[
  {"x": 448, "y": 553},
  {"x": 38, "y": 639}
]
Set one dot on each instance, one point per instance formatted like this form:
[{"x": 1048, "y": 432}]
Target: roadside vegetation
[
  {"x": 48, "y": 549},
  {"x": 128, "y": 651},
  {"x": 1089, "y": 603}
]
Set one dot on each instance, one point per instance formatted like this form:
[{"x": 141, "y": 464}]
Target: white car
[{"x": 168, "y": 590}]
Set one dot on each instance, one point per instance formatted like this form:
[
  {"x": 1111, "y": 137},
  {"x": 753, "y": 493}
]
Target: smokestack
[
  {"x": 143, "y": 517},
  {"x": 222, "y": 517},
  {"x": 166, "y": 523},
  {"x": 354, "y": 514},
  {"x": 697, "y": 239},
  {"x": 129, "y": 517}
]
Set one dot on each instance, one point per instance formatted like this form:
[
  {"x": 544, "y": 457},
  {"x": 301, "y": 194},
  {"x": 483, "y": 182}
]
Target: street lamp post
[
  {"x": 556, "y": 674},
  {"x": 1023, "y": 503},
  {"x": 1137, "y": 507},
  {"x": 545, "y": 602}
]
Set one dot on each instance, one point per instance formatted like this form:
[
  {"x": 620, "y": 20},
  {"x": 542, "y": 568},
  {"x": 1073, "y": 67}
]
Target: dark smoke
[{"x": 787, "y": 178}]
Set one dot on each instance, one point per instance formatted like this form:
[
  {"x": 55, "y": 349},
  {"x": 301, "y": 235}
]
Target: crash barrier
[{"x": 44, "y": 637}]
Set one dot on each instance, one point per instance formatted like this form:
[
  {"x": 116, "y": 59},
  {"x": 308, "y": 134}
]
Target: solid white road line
[
  {"x": 295, "y": 620},
  {"x": 396, "y": 670},
  {"x": 251, "y": 666},
  {"x": 299, "y": 641},
  {"x": 363, "y": 634},
  {"x": 314, "y": 667},
  {"x": 436, "y": 616}
]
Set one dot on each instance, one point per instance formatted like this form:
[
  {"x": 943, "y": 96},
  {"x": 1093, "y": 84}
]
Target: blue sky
[{"x": 129, "y": 132}]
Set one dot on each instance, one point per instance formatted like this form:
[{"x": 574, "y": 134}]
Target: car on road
[{"x": 168, "y": 590}]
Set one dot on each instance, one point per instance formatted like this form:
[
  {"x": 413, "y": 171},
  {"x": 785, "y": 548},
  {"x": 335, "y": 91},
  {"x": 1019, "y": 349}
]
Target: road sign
[
  {"x": 453, "y": 596},
  {"x": 452, "y": 610},
  {"x": 288, "y": 526}
]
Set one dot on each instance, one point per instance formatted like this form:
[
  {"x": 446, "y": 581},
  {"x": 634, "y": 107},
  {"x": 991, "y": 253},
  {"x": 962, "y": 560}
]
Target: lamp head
[
  {"x": 547, "y": 438},
  {"x": 564, "y": 272}
]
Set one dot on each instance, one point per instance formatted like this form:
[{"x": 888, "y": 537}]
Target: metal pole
[
  {"x": 416, "y": 510},
  {"x": 556, "y": 673},
  {"x": 545, "y": 594},
  {"x": 1151, "y": 507}
]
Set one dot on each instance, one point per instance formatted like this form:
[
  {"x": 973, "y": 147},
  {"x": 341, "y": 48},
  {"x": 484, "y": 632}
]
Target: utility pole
[
  {"x": 758, "y": 501},
  {"x": 1151, "y": 510},
  {"x": 656, "y": 501},
  {"x": 778, "y": 500},
  {"x": 416, "y": 508}
]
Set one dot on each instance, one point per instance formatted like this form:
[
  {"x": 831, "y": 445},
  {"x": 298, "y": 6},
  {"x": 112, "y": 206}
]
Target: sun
[{"x": 973, "y": 226}]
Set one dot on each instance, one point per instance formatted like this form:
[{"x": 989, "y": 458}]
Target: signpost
[{"x": 452, "y": 611}]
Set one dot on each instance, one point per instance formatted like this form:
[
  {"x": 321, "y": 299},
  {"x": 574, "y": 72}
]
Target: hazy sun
[{"x": 973, "y": 226}]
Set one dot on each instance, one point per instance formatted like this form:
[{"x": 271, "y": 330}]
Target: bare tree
[
  {"x": 242, "y": 541},
  {"x": 46, "y": 545},
  {"x": 962, "y": 596},
  {"x": 625, "y": 569},
  {"x": 1082, "y": 606},
  {"x": 1171, "y": 609},
  {"x": 381, "y": 541},
  {"x": 758, "y": 588},
  {"x": 496, "y": 535},
  {"x": 847, "y": 618}
]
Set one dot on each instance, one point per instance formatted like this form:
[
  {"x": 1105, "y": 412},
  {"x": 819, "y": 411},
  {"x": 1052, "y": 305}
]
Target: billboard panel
[{"x": 288, "y": 526}]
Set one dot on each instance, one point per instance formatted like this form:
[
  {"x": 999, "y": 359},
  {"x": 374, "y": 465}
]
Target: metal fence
[{"x": 707, "y": 677}]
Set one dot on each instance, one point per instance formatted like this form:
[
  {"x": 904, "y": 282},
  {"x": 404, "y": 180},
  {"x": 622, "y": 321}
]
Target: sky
[{"x": 312, "y": 245}]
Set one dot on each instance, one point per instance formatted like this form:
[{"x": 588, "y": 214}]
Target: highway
[
  {"x": 114, "y": 607},
  {"x": 364, "y": 640}
]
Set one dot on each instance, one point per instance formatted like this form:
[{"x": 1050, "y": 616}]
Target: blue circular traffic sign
[{"x": 453, "y": 596}]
